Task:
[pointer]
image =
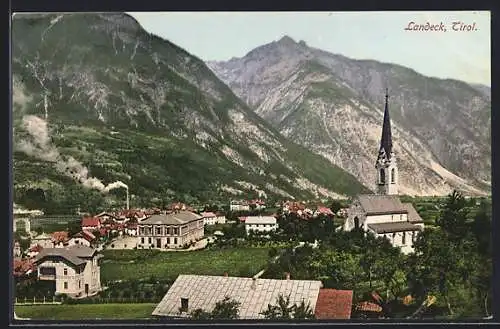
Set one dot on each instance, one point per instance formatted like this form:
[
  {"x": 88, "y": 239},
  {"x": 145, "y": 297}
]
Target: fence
[
  {"x": 91, "y": 300},
  {"x": 38, "y": 301}
]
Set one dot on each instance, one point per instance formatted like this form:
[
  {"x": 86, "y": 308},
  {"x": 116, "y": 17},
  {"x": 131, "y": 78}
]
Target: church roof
[
  {"x": 386, "y": 140},
  {"x": 379, "y": 204},
  {"x": 393, "y": 227},
  {"x": 413, "y": 216}
]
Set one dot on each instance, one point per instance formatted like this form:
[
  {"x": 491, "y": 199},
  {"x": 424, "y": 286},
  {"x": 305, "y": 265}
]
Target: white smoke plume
[{"x": 42, "y": 149}]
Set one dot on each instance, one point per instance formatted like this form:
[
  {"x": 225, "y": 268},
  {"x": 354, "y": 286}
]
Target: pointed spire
[{"x": 386, "y": 140}]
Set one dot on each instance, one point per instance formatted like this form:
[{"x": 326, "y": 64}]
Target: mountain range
[
  {"x": 333, "y": 105},
  {"x": 102, "y": 108}
]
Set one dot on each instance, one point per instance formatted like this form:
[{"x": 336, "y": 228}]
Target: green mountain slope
[{"x": 98, "y": 100}]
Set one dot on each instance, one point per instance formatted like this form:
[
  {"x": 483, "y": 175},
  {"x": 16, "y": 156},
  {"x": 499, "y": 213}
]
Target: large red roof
[
  {"x": 333, "y": 304},
  {"x": 90, "y": 222}
]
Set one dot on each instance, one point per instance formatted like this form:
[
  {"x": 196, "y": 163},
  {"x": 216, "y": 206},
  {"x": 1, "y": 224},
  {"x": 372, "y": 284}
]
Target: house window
[
  {"x": 158, "y": 231},
  {"x": 79, "y": 284},
  {"x": 168, "y": 240},
  {"x": 413, "y": 237},
  {"x": 65, "y": 285},
  {"x": 149, "y": 240},
  {"x": 393, "y": 176},
  {"x": 404, "y": 238},
  {"x": 142, "y": 240},
  {"x": 175, "y": 240},
  {"x": 393, "y": 236},
  {"x": 168, "y": 230},
  {"x": 65, "y": 271},
  {"x": 382, "y": 176}
]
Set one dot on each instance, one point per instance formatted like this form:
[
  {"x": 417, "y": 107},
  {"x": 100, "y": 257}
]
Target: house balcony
[{"x": 47, "y": 277}]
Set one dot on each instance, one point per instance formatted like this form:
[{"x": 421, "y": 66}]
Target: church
[{"x": 383, "y": 213}]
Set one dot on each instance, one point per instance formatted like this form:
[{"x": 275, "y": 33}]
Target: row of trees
[
  {"x": 283, "y": 310},
  {"x": 451, "y": 262}
]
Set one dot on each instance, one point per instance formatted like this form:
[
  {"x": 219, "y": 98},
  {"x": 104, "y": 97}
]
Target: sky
[{"x": 462, "y": 55}]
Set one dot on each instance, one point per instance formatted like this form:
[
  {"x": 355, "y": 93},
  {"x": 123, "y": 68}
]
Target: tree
[
  {"x": 453, "y": 217},
  {"x": 284, "y": 310},
  {"x": 73, "y": 227},
  {"x": 335, "y": 206},
  {"x": 223, "y": 310}
]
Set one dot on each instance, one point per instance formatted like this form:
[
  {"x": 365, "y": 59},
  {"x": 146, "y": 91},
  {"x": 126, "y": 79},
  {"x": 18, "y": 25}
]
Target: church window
[
  {"x": 393, "y": 176},
  {"x": 382, "y": 176},
  {"x": 404, "y": 238}
]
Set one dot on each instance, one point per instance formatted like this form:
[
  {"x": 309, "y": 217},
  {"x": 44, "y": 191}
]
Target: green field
[
  {"x": 85, "y": 311},
  {"x": 167, "y": 265}
]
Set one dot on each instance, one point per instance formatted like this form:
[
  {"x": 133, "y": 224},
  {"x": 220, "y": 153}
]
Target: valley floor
[{"x": 85, "y": 311}]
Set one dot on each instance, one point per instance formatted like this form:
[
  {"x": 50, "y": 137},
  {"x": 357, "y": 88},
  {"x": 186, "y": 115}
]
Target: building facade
[
  {"x": 75, "y": 270},
  {"x": 260, "y": 224},
  {"x": 383, "y": 214},
  {"x": 169, "y": 231},
  {"x": 210, "y": 218}
]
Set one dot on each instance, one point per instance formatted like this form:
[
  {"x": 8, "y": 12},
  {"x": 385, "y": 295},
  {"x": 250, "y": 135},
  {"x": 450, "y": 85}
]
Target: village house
[
  {"x": 17, "y": 249},
  {"x": 84, "y": 238},
  {"x": 34, "y": 250},
  {"x": 92, "y": 223},
  {"x": 293, "y": 207},
  {"x": 179, "y": 206},
  {"x": 210, "y": 218},
  {"x": 131, "y": 228},
  {"x": 257, "y": 204},
  {"x": 105, "y": 216},
  {"x": 172, "y": 230},
  {"x": 60, "y": 239},
  {"x": 75, "y": 270},
  {"x": 239, "y": 205},
  {"x": 260, "y": 224},
  {"x": 191, "y": 292},
  {"x": 383, "y": 214},
  {"x": 322, "y": 210},
  {"x": 44, "y": 240}
]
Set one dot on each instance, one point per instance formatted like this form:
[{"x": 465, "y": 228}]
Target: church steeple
[
  {"x": 386, "y": 140},
  {"x": 387, "y": 170}
]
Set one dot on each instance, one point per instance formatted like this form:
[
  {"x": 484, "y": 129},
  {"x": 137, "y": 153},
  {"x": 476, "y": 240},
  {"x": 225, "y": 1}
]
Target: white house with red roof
[
  {"x": 34, "y": 250},
  {"x": 84, "y": 238},
  {"x": 239, "y": 205},
  {"x": 210, "y": 218},
  {"x": 91, "y": 223}
]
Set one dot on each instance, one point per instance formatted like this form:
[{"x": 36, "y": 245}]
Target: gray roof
[
  {"x": 73, "y": 254},
  {"x": 175, "y": 218},
  {"x": 43, "y": 236},
  {"x": 260, "y": 220},
  {"x": 413, "y": 216},
  {"x": 376, "y": 204},
  {"x": 394, "y": 227},
  {"x": 205, "y": 291}
]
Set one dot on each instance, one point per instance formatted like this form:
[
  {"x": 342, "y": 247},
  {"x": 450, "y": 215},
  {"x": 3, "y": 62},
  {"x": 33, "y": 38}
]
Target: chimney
[
  {"x": 254, "y": 283},
  {"x": 287, "y": 275},
  {"x": 226, "y": 274}
]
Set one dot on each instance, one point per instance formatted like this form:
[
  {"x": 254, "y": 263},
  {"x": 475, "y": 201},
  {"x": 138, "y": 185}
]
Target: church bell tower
[{"x": 387, "y": 170}]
